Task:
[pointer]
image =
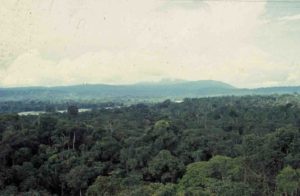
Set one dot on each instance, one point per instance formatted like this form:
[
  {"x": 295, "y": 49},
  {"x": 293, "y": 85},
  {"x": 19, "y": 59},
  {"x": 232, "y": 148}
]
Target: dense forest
[{"x": 229, "y": 146}]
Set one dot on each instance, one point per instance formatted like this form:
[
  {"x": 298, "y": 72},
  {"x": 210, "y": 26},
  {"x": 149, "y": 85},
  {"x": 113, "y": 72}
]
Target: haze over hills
[{"x": 166, "y": 89}]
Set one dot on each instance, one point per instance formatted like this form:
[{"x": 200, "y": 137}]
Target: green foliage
[
  {"x": 166, "y": 190},
  {"x": 9, "y": 190},
  {"x": 161, "y": 125},
  {"x": 72, "y": 110},
  {"x": 288, "y": 181},
  {"x": 211, "y": 146},
  {"x": 105, "y": 186},
  {"x": 78, "y": 177},
  {"x": 220, "y": 175},
  {"x": 165, "y": 167}
]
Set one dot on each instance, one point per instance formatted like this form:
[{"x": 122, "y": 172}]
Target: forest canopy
[{"x": 207, "y": 146}]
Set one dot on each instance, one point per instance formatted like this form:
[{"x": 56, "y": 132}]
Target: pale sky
[{"x": 62, "y": 42}]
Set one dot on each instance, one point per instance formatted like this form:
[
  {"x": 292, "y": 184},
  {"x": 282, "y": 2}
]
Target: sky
[{"x": 246, "y": 43}]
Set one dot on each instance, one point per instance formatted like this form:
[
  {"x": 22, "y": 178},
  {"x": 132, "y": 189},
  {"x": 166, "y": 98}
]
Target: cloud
[
  {"x": 72, "y": 42},
  {"x": 290, "y": 18}
]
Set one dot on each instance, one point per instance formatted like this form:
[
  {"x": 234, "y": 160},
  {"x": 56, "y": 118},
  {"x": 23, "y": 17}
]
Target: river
[{"x": 42, "y": 112}]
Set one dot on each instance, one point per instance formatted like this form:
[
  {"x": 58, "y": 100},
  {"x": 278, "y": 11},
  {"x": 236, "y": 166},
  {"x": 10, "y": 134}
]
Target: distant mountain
[{"x": 167, "y": 89}]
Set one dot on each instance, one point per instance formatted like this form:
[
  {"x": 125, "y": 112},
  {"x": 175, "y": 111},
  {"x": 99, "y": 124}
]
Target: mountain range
[{"x": 166, "y": 89}]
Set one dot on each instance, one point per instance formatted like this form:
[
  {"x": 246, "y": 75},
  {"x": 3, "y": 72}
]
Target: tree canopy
[{"x": 210, "y": 146}]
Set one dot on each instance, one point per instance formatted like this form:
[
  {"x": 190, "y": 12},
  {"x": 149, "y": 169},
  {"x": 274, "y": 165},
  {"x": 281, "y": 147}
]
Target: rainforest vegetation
[{"x": 229, "y": 146}]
